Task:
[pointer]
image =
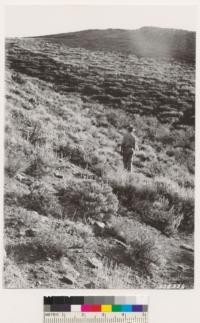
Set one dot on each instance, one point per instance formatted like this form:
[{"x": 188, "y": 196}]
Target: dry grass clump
[
  {"x": 111, "y": 275},
  {"x": 173, "y": 191},
  {"x": 88, "y": 199},
  {"x": 41, "y": 161},
  {"x": 181, "y": 176}
]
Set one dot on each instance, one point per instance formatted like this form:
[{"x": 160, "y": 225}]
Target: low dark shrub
[
  {"x": 87, "y": 198},
  {"x": 36, "y": 134},
  {"x": 143, "y": 252},
  {"x": 116, "y": 119},
  {"x": 187, "y": 209},
  {"x": 75, "y": 153},
  {"x": 43, "y": 200},
  {"x": 37, "y": 166},
  {"x": 102, "y": 121}
]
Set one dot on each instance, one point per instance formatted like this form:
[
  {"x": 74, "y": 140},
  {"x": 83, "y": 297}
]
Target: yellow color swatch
[{"x": 106, "y": 308}]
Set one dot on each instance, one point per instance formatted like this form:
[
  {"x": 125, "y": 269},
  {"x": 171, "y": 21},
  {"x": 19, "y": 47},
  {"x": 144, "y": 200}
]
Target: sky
[{"x": 26, "y": 20}]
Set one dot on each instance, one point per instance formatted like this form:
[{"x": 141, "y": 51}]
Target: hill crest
[{"x": 143, "y": 42}]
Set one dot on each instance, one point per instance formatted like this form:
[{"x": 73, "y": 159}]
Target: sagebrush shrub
[
  {"x": 181, "y": 198},
  {"x": 40, "y": 160},
  {"x": 142, "y": 244},
  {"x": 78, "y": 156},
  {"x": 56, "y": 242},
  {"x": 80, "y": 229},
  {"x": 155, "y": 168},
  {"x": 83, "y": 157},
  {"x": 37, "y": 167},
  {"x": 75, "y": 153},
  {"x": 43, "y": 200},
  {"x": 113, "y": 118},
  {"x": 87, "y": 198},
  {"x": 36, "y": 134},
  {"x": 187, "y": 208},
  {"x": 134, "y": 191},
  {"x": 15, "y": 163},
  {"x": 140, "y": 196},
  {"x": 143, "y": 252},
  {"x": 167, "y": 221}
]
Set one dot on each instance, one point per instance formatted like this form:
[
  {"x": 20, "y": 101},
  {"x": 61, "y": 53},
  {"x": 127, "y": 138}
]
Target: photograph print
[{"x": 99, "y": 146}]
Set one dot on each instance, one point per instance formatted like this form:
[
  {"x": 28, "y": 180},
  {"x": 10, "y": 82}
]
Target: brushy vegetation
[
  {"x": 142, "y": 248},
  {"x": 111, "y": 275},
  {"x": 160, "y": 202},
  {"x": 43, "y": 200},
  {"x": 66, "y": 194},
  {"x": 88, "y": 199},
  {"x": 56, "y": 243}
]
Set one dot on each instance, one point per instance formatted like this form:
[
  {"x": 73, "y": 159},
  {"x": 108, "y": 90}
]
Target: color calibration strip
[
  {"x": 95, "y": 309},
  {"x": 95, "y": 304}
]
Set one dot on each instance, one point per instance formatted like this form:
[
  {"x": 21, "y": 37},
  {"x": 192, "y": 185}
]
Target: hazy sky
[{"x": 39, "y": 20}]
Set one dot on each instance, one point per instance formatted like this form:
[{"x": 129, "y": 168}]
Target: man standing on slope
[{"x": 128, "y": 147}]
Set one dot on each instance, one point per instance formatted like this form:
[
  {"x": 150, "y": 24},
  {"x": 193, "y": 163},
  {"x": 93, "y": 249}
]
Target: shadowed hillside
[
  {"x": 73, "y": 217},
  {"x": 146, "y": 41}
]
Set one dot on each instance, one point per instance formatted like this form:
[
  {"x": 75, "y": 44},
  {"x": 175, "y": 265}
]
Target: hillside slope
[
  {"x": 164, "y": 89},
  {"x": 146, "y": 42},
  {"x": 73, "y": 217}
]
